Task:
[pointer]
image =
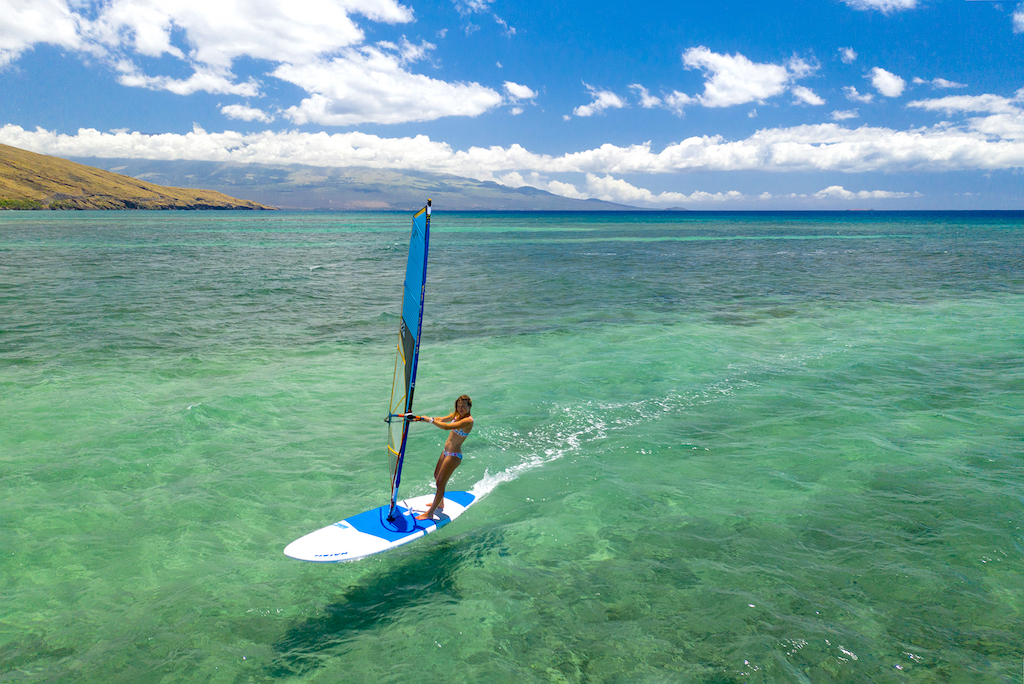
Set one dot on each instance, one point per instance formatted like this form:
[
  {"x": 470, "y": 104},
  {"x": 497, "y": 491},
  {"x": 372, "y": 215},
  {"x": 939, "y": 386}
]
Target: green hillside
[{"x": 37, "y": 181}]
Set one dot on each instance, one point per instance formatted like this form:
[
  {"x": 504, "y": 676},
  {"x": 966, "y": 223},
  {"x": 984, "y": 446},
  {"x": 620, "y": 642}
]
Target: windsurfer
[{"x": 459, "y": 424}]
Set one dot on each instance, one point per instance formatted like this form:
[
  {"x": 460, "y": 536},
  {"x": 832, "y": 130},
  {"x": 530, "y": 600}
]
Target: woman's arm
[
  {"x": 428, "y": 419},
  {"x": 463, "y": 424}
]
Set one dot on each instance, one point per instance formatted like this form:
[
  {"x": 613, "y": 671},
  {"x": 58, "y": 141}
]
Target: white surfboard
[{"x": 371, "y": 532}]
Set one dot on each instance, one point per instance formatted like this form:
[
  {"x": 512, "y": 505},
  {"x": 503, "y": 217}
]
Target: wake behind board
[{"x": 371, "y": 532}]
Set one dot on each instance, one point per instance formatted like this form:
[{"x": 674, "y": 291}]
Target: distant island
[
  {"x": 302, "y": 187},
  {"x": 37, "y": 181}
]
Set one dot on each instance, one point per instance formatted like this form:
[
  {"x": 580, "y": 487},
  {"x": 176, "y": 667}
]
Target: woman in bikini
[{"x": 459, "y": 424}]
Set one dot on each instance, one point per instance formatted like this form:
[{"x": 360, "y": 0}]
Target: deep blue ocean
[{"x": 712, "y": 448}]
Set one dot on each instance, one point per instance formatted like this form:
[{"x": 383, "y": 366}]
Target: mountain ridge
[{"x": 305, "y": 187}]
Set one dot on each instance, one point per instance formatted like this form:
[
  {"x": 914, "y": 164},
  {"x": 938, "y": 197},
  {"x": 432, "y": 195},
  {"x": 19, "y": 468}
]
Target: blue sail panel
[
  {"x": 415, "y": 275},
  {"x": 404, "y": 384}
]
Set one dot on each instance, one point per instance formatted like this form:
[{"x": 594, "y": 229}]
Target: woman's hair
[{"x": 465, "y": 398}]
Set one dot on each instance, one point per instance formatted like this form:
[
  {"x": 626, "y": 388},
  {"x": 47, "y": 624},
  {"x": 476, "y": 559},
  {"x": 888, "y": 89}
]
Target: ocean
[{"x": 712, "y": 447}]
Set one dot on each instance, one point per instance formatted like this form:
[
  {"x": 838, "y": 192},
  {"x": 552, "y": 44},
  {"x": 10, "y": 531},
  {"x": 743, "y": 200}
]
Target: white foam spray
[
  {"x": 580, "y": 428},
  {"x": 593, "y": 421}
]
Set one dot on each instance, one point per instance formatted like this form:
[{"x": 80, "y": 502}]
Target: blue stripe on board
[
  {"x": 461, "y": 498},
  {"x": 375, "y": 522}
]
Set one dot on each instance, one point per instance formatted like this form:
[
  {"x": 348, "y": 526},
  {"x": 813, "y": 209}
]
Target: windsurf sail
[{"x": 409, "y": 328}]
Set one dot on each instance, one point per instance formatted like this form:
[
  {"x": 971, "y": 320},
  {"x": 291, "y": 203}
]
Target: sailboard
[{"x": 393, "y": 524}]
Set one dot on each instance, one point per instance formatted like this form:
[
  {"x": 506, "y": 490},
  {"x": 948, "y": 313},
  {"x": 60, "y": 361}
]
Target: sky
[{"x": 727, "y": 105}]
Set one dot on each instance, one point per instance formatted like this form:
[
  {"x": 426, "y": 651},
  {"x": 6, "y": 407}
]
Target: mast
[{"x": 407, "y": 358}]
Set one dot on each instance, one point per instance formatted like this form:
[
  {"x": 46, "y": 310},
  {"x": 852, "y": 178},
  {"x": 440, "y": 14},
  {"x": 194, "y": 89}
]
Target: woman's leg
[
  {"x": 437, "y": 474},
  {"x": 448, "y": 466}
]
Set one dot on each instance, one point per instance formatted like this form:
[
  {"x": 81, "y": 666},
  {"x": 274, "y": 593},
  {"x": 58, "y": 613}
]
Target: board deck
[{"x": 370, "y": 532}]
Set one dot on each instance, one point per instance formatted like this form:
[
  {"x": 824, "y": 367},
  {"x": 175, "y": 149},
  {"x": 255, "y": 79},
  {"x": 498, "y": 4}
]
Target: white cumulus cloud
[
  {"x": 990, "y": 137},
  {"x": 939, "y": 83},
  {"x": 1018, "y": 19},
  {"x": 210, "y": 80},
  {"x": 884, "y": 6},
  {"x": 677, "y": 101},
  {"x": 519, "y": 92},
  {"x": 991, "y": 104},
  {"x": 839, "y": 192},
  {"x": 245, "y": 113},
  {"x": 735, "y": 79},
  {"x": 647, "y": 101},
  {"x": 886, "y": 83},
  {"x": 853, "y": 96},
  {"x": 848, "y": 55},
  {"x": 24, "y": 23},
  {"x": 565, "y": 190},
  {"x": 513, "y": 179},
  {"x": 372, "y": 84},
  {"x": 315, "y": 44},
  {"x": 218, "y": 33},
  {"x": 807, "y": 96},
  {"x": 617, "y": 190},
  {"x": 1003, "y": 117},
  {"x": 602, "y": 100},
  {"x": 844, "y": 114},
  {"x": 467, "y": 8}
]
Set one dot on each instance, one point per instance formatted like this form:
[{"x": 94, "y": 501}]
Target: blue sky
[{"x": 886, "y": 104}]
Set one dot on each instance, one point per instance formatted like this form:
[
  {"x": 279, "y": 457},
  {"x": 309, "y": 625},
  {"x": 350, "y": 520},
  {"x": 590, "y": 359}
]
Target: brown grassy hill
[{"x": 37, "y": 181}]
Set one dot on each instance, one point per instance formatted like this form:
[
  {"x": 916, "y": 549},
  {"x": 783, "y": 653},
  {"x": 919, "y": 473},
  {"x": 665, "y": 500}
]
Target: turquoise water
[{"x": 712, "y": 447}]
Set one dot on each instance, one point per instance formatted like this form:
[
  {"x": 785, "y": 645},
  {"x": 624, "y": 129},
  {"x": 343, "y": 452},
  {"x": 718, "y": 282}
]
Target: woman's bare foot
[{"x": 426, "y": 515}]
